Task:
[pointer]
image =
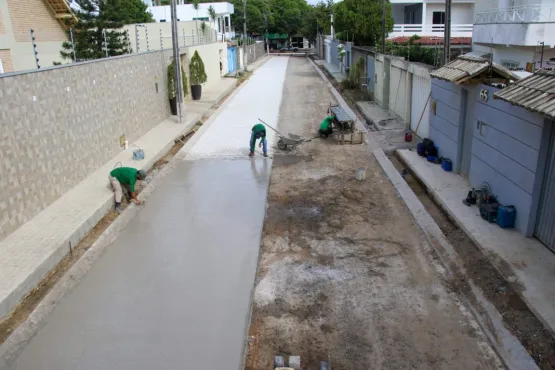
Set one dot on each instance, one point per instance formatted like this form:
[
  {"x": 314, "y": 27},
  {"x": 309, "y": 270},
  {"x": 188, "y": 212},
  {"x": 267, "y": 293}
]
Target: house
[
  {"x": 186, "y": 12},
  {"x": 502, "y": 137},
  {"x": 427, "y": 18},
  {"x": 46, "y": 19},
  {"x": 519, "y": 36}
]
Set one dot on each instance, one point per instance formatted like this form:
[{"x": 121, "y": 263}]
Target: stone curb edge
[{"x": 509, "y": 349}]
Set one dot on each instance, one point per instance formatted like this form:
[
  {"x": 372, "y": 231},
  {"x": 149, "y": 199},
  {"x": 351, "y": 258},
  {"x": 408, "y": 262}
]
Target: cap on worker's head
[{"x": 142, "y": 173}]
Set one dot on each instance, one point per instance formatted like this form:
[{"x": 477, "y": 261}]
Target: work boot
[{"x": 118, "y": 208}]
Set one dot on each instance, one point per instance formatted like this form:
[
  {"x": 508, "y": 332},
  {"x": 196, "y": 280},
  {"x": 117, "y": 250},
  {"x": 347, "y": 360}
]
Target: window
[
  {"x": 410, "y": 17},
  {"x": 438, "y": 17},
  {"x": 1, "y": 67},
  {"x": 510, "y": 64}
]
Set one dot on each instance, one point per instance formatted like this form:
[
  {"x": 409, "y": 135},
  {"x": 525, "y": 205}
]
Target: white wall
[
  {"x": 460, "y": 13},
  {"x": 187, "y": 13},
  {"x": 190, "y": 29}
]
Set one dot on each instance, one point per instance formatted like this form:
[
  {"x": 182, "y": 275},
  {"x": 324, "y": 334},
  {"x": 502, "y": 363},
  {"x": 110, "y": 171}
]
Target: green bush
[
  {"x": 197, "y": 71},
  {"x": 172, "y": 83}
]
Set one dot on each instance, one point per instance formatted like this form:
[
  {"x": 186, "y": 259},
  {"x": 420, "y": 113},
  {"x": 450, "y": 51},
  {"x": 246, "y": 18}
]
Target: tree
[
  {"x": 361, "y": 20},
  {"x": 98, "y": 18},
  {"x": 287, "y": 16},
  {"x": 125, "y": 11}
]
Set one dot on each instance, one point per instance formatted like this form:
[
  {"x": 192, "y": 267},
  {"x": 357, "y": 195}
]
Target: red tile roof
[{"x": 432, "y": 40}]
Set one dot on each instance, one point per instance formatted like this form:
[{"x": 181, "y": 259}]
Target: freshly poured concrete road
[{"x": 173, "y": 291}]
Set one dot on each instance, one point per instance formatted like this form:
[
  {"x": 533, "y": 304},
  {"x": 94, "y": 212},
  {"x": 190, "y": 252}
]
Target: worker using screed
[
  {"x": 125, "y": 177},
  {"x": 325, "y": 127},
  {"x": 259, "y": 132}
]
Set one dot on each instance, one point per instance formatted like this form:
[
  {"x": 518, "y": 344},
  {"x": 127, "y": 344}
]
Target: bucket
[
  {"x": 360, "y": 174},
  {"x": 447, "y": 165}
]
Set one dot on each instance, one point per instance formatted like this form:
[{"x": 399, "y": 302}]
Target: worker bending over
[
  {"x": 125, "y": 177},
  {"x": 325, "y": 127},
  {"x": 259, "y": 132}
]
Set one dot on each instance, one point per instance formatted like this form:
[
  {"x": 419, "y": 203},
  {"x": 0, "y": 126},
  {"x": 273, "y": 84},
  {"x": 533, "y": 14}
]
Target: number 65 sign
[{"x": 484, "y": 95}]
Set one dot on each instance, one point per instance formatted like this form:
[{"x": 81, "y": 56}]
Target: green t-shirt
[
  {"x": 260, "y": 129},
  {"x": 126, "y": 176},
  {"x": 325, "y": 125}
]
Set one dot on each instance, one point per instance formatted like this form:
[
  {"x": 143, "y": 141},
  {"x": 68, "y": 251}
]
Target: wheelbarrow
[{"x": 291, "y": 141}]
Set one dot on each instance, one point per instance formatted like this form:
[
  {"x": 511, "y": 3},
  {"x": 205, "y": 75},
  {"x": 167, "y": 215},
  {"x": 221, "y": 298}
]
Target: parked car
[{"x": 289, "y": 49}]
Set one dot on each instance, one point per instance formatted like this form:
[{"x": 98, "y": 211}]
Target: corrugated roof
[
  {"x": 466, "y": 67},
  {"x": 535, "y": 93}
]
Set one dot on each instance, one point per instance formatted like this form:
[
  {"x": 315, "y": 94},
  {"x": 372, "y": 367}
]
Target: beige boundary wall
[
  {"x": 59, "y": 124},
  {"x": 403, "y": 88}
]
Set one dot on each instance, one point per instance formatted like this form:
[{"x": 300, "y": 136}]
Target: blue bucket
[{"x": 447, "y": 165}]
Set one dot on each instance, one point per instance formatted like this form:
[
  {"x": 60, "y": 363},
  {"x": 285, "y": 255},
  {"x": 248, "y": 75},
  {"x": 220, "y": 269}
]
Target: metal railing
[
  {"x": 430, "y": 30},
  {"x": 517, "y": 14}
]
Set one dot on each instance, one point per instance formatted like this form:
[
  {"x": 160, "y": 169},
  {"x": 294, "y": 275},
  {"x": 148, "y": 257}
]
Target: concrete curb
[
  {"x": 509, "y": 348},
  {"x": 17, "y": 341},
  {"x": 477, "y": 242}
]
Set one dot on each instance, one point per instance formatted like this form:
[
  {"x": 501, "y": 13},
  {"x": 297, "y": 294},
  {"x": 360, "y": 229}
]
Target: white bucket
[{"x": 360, "y": 174}]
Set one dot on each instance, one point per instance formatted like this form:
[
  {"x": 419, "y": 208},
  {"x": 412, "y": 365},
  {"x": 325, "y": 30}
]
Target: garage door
[
  {"x": 421, "y": 87},
  {"x": 545, "y": 221}
]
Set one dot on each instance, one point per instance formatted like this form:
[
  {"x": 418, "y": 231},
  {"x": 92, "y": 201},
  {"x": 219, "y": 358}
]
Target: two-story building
[
  {"x": 427, "y": 18},
  {"x": 519, "y": 34},
  {"x": 186, "y": 12},
  {"x": 45, "y": 18}
]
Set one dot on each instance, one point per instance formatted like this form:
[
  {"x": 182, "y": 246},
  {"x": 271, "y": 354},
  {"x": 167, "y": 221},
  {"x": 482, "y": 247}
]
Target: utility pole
[
  {"x": 245, "y": 34},
  {"x": 177, "y": 60},
  {"x": 541, "y": 59},
  {"x": 383, "y": 26},
  {"x": 447, "y": 33},
  {"x": 266, "y": 26},
  {"x": 331, "y": 23}
]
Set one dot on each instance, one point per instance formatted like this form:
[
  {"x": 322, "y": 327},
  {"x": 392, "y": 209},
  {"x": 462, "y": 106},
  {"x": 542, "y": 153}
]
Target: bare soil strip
[{"x": 345, "y": 273}]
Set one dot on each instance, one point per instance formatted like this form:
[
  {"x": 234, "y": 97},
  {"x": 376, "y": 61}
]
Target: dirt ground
[{"x": 344, "y": 272}]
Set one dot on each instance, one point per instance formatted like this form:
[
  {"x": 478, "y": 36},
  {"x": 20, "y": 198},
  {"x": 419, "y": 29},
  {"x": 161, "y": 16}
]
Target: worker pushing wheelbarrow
[{"x": 287, "y": 141}]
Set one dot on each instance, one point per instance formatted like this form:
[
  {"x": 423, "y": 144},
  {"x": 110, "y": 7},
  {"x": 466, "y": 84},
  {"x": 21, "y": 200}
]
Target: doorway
[{"x": 469, "y": 97}]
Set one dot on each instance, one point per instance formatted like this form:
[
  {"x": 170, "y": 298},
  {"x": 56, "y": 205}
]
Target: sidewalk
[
  {"x": 522, "y": 260},
  {"x": 30, "y": 252},
  {"x": 332, "y": 70}
]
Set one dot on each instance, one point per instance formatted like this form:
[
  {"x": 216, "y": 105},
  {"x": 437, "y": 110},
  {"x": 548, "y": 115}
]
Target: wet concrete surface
[{"x": 173, "y": 291}]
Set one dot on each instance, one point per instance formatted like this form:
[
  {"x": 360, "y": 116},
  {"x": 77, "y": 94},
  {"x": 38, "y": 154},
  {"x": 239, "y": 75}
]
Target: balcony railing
[
  {"x": 520, "y": 14},
  {"x": 457, "y": 30}
]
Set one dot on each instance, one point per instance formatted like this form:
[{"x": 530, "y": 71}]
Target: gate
[
  {"x": 421, "y": 88},
  {"x": 231, "y": 60},
  {"x": 545, "y": 221},
  {"x": 397, "y": 91},
  {"x": 371, "y": 73}
]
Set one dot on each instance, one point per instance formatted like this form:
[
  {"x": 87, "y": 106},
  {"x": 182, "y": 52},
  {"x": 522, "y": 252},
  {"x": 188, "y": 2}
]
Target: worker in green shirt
[
  {"x": 325, "y": 127},
  {"x": 258, "y": 132},
  {"x": 125, "y": 178}
]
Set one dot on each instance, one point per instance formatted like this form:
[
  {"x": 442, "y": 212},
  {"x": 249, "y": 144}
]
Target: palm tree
[
  {"x": 196, "y": 6},
  {"x": 212, "y": 14}
]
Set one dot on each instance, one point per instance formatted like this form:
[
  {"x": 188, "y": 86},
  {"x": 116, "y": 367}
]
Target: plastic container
[
  {"x": 447, "y": 165},
  {"x": 360, "y": 174},
  {"x": 432, "y": 158},
  {"x": 506, "y": 216}
]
